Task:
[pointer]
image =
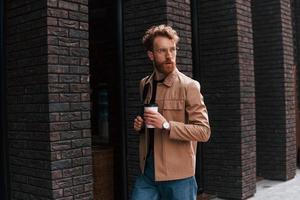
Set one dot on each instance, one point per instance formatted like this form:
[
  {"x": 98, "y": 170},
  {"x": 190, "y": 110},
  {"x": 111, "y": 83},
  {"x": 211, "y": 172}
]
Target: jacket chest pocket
[{"x": 173, "y": 110}]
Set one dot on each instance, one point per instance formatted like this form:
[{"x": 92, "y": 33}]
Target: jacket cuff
[{"x": 171, "y": 131}]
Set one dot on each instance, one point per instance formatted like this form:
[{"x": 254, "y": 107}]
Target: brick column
[
  {"x": 296, "y": 26},
  {"x": 69, "y": 99},
  {"x": 49, "y": 105},
  {"x": 227, "y": 71},
  {"x": 274, "y": 79},
  {"x": 138, "y": 17},
  {"x": 28, "y": 116}
]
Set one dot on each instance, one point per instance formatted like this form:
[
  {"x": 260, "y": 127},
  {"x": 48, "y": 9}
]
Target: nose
[{"x": 169, "y": 53}]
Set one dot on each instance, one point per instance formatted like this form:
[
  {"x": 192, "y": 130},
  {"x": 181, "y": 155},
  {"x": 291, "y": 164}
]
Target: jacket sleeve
[{"x": 197, "y": 126}]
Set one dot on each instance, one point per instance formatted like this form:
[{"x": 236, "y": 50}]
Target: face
[{"x": 163, "y": 54}]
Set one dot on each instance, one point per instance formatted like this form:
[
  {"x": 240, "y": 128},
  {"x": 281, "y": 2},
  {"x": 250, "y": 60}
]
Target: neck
[{"x": 159, "y": 75}]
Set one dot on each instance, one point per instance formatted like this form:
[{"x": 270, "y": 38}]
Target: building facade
[{"x": 70, "y": 71}]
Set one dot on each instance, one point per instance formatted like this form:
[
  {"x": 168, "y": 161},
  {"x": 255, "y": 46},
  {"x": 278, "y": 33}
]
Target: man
[{"x": 168, "y": 152}]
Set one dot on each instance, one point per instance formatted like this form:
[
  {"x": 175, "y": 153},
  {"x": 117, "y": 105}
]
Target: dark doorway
[
  {"x": 106, "y": 97},
  {"x": 3, "y": 159},
  {"x": 198, "y": 75}
]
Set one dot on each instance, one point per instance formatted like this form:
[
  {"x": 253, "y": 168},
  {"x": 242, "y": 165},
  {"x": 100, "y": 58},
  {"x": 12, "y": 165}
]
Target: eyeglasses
[{"x": 164, "y": 51}]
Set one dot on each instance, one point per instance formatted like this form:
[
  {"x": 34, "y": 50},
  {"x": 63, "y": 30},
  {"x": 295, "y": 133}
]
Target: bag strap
[{"x": 146, "y": 88}]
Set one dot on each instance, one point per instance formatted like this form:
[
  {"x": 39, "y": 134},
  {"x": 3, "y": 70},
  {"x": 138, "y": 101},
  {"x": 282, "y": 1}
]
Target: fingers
[
  {"x": 138, "y": 123},
  {"x": 150, "y": 114},
  {"x": 151, "y": 120},
  {"x": 139, "y": 118},
  {"x": 154, "y": 118}
]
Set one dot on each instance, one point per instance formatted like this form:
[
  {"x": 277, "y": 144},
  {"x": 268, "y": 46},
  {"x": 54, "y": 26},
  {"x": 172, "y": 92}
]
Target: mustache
[{"x": 168, "y": 62}]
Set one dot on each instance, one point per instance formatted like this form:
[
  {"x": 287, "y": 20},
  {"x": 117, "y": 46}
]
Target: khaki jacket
[{"x": 181, "y": 103}]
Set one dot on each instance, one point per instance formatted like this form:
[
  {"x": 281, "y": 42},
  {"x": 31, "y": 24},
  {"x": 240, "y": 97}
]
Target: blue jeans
[{"x": 146, "y": 188}]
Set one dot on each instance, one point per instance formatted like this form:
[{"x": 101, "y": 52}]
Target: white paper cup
[{"x": 152, "y": 107}]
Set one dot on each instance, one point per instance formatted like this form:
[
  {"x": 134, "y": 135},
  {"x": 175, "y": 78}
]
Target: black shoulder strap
[{"x": 146, "y": 88}]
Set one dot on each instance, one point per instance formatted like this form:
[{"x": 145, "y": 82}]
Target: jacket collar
[{"x": 169, "y": 80}]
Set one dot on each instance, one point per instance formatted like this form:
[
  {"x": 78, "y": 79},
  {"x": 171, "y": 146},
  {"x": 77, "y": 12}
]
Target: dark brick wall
[
  {"x": 69, "y": 99},
  {"x": 296, "y": 27},
  {"x": 296, "y": 20},
  {"x": 274, "y": 80},
  {"x": 3, "y": 106},
  {"x": 138, "y": 17},
  {"x": 28, "y": 117},
  {"x": 247, "y": 97},
  {"x": 227, "y": 71},
  {"x": 179, "y": 17},
  {"x": 289, "y": 88},
  {"x": 49, "y": 105}
]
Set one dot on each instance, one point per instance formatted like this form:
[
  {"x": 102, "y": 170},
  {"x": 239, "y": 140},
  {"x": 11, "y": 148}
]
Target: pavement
[{"x": 277, "y": 190}]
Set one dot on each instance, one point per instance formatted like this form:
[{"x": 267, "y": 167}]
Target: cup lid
[{"x": 151, "y": 105}]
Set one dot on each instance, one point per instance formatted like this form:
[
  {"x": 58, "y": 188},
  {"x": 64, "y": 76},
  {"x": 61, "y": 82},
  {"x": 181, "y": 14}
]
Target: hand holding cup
[
  {"x": 149, "y": 110},
  {"x": 153, "y": 119}
]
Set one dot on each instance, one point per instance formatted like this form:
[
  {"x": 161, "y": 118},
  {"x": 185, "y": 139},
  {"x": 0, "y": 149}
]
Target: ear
[{"x": 150, "y": 55}]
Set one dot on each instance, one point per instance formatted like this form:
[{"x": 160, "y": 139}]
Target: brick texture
[
  {"x": 295, "y": 6},
  {"x": 28, "y": 117},
  {"x": 274, "y": 79},
  {"x": 69, "y": 99},
  {"x": 296, "y": 27},
  {"x": 179, "y": 17},
  {"x": 247, "y": 98},
  {"x": 3, "y": 114},
  {"x": 48, "y": 110},
  {"x": 227, "y": 73}
]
